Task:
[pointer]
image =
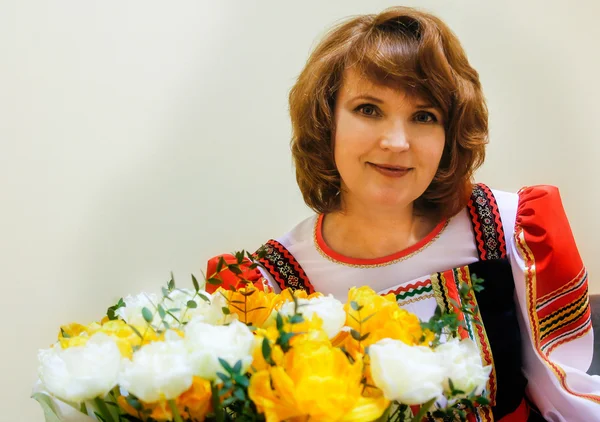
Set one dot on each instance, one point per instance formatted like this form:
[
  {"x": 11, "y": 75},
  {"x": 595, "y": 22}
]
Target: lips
[{"x": 391, "y": 170}]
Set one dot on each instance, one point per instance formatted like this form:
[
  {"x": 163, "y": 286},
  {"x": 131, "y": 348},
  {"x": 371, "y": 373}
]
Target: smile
[{"x": 391, "y": 171}]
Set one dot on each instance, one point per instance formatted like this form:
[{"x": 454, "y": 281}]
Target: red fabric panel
[
  {"x": 229, "y": 278},
  {"x": 548, "y": 234}
]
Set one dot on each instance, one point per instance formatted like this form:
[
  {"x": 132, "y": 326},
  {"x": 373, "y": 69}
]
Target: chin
[{"x": 390, "y": 200}]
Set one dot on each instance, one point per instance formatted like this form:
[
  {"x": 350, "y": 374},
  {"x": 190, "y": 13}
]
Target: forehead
[{"x": 355, "y": 83}]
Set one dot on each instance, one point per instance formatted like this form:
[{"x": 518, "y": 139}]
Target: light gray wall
[{"x": 138, "y": 138}]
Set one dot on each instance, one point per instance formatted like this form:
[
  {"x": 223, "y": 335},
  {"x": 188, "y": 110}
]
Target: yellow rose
[{"x": 314, "y": 380}]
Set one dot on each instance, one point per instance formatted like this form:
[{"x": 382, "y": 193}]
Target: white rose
[
  {"x": 210, "y": 312},
  {"x": 207, "y": 343},
  {"x": 463, "y": 366},
  {"x": 81, "y": 373},
  {"x": 329, "y": 309},
  {"x": 131, "y": 313},
  {"x": 409, "y": 374},
  {"x": 158, "y": 371}
]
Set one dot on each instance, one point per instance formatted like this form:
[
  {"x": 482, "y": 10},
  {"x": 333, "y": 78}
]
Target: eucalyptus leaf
[
  {"x": 195, "y": 282},
  {"x": 147, "y": 314}
]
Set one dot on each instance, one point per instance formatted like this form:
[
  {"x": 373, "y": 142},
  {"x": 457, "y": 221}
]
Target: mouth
[{"x": 391, "y": 170}]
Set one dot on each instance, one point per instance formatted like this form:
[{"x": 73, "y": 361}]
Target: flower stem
[
  {"x": 217, "y": 407},
  {"x": 175, "y": 411},
  {"x": 108, "y": 417}
]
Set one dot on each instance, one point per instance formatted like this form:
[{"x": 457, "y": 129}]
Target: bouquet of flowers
[{"x": 251, "y": 354}]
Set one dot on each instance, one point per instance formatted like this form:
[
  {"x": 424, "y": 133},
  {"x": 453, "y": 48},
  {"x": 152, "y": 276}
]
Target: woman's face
[{"x": 388, "y": 145}]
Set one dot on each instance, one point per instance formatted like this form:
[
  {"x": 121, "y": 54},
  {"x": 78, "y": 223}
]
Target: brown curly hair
[{"x": 402, "y": 48}]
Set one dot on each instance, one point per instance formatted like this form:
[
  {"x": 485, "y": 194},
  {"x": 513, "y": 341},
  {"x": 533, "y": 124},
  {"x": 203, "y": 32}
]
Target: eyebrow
[{"x": 380, "y": 101}]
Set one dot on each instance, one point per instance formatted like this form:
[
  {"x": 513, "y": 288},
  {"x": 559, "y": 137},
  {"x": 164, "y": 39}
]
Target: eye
[
  {"x": 425, "y": 117},
  {"x": 368, "y": 110}
]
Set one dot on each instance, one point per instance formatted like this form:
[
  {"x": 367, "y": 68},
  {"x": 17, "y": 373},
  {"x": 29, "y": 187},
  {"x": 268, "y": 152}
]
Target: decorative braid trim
[
  {"x": 284, "y": 268},
  {"x": 487, "y": 224}
]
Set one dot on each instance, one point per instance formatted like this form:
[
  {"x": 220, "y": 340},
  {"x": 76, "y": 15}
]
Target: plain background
[{"x": 138, "y": 138}]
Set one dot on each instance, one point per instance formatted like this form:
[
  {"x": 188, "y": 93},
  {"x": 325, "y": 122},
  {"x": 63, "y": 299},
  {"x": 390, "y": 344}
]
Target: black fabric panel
[{"x": 499, "y": 314}]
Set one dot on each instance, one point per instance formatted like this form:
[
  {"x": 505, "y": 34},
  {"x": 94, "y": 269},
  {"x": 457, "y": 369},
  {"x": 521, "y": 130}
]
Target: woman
[{"x": 389, "y": 124}]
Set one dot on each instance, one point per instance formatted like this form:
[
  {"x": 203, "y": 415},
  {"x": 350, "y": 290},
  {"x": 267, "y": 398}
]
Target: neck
[{"x": 368, "y": 232}]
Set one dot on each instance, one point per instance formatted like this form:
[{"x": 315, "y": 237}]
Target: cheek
[
  {"x": 352, "y": 141},
  {"x": 431, "y": 152}
]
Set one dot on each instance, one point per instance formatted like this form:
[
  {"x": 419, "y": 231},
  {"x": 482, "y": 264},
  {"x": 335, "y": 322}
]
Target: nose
[{"x": 396, "y": 139}]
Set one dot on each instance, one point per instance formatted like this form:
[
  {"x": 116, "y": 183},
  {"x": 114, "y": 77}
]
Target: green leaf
[
  {"x": 284, "y": 340},
  {"x": 47, "y": 406},
  {"x": 355, "y": 335},
  {"x": 161, "y": 311},
  {"x": 165, "y": 292},
  {"x": 354, "y": 305},
  {"x": 234, "y": 268},
  {"x": 214, "y": 281},
  {"x": 266, "y": 350},
  {"x": 239, "y": 257},
  {"x": 104, "y": 410},
  {"x": 296, "y": 319},
  {"x": 484, "y": 401},
  {"x": 242, "y": 380},
  {"x": 454, "y": 303},
  {"x": 368, "y": 318},
  {"x": 423, "y": 410},
  {"x": 226, "y": 365},
  {"x": 203, "y": 297},
  {"x": 279, "y": 321},
  {"x": 191, "y": 304},
  {"x": 195, "y": 283},
  {"x": 134, "y": 402},
  {"x": 239, "y": 394},
  {"x": 385, "y": 415},
  {"x": 220, "y": 264},
  {"x": 147, "y": 314},
  {"x": 225, "y": 310},
  {"x": 171, "y": 284},
  {"x": 110, "y": 312}
]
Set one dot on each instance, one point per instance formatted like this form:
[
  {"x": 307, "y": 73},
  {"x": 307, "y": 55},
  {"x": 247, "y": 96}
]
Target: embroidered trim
[
  {"x": 571, "y": 286},
  {"x": 412, "y": 289},
  {"x": 581, "y": 326},
  {"x": 284, "y": 268},
  {"x": 379, "y": 262},
  {"x": 445, "y": 286},
  {"x": 441, "y": 294},
  {"x": 416, "y": 299},
  {"x": 487, "y": 225},
  {"x": 478, "y": 333}
]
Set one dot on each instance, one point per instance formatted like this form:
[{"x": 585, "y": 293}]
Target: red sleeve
[
  {"x": 551, "y": 286},
  {"x": 548, "y": 235},
  {"x": 228, "y": 277}
]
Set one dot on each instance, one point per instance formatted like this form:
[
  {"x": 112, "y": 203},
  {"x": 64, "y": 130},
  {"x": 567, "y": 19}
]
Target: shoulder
[
  {"x": 528, "y": 208},
  {"x": 300, "y": 234}
]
